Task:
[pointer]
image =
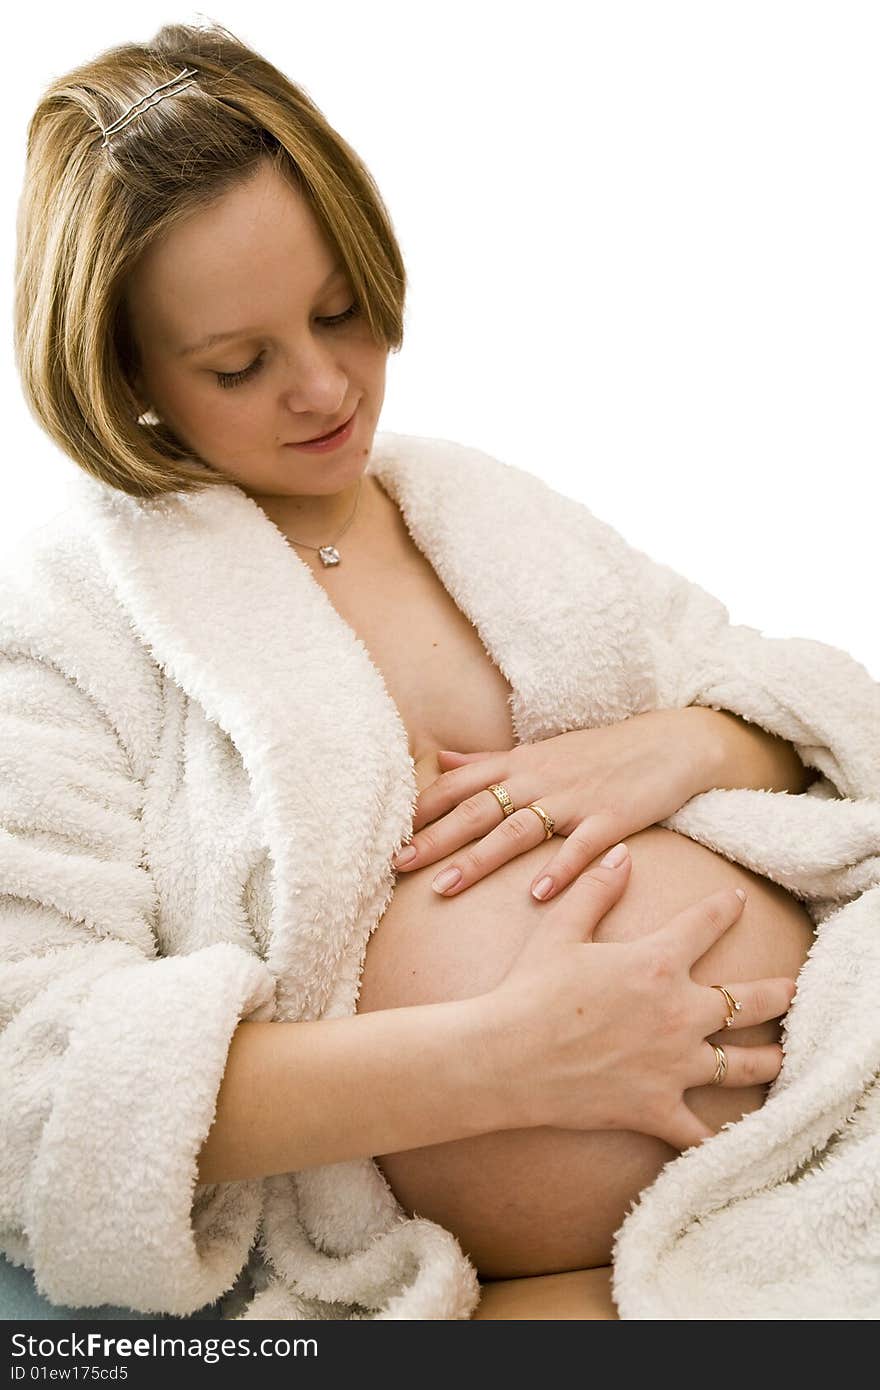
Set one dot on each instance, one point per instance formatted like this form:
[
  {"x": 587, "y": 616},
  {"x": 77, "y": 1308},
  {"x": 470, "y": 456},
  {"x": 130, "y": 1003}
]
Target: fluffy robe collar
[{"x": 236, "y": 618}]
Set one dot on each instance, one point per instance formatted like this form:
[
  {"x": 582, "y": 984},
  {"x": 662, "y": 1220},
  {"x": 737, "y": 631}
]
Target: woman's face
[{"x": 257, "y": 266}]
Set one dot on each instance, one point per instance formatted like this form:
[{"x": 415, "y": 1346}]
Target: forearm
[
  {"x": 298, "y": 1095},
  {"x": 740, "y": 754}
]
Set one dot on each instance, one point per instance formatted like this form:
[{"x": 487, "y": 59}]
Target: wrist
[
  {"x": 505, "y": 1066},
  {"x": 737, "y": 754},
  {"x": 709, "y": 742},
  {"x": 496, "y": 1065}
]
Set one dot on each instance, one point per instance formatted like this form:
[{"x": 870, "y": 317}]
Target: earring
[{"x": 149, "y": 417}]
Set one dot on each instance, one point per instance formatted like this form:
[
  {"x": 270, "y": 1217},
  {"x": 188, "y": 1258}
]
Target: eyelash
[{"x": 227, "y": 379}]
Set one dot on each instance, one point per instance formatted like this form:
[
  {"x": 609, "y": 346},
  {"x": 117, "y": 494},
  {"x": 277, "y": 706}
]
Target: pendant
[{"x": 329, "y": 555}]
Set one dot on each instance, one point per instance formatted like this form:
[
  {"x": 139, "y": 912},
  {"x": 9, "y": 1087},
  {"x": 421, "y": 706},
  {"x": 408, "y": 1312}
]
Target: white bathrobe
[{"x": 204, "y": 779}]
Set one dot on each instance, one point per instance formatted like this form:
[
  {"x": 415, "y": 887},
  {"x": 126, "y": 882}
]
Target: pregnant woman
[
  {"x": 208, "y": 288},
  {"x": 431, "y": 947}
]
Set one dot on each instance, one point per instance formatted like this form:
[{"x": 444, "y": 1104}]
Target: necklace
[{"x": 328, "y": 553}]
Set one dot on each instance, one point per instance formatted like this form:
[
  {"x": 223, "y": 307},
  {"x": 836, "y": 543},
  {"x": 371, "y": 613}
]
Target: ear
[{"x": 146, "y": 414}]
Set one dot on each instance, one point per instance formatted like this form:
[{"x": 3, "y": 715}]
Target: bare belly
[{"x": 540, "y": 1201}]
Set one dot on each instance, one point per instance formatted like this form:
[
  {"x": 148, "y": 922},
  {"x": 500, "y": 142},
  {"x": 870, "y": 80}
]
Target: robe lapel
[
  {"x": 539, "y": 577},
  {"x": 233, "y": 615}
]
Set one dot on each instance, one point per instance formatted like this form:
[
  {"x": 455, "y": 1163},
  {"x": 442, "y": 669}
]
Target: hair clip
[{"x": 144, "y": 104}]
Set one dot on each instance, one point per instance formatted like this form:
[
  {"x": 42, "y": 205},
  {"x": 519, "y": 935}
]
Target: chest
[{"x": 449, "y": 692}]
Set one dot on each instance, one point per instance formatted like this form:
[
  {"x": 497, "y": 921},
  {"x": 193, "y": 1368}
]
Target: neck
[{"x": 315, "y": 521}]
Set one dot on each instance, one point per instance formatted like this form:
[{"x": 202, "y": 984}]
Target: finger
[
  {"x": 517, "y": 833},
  {"x": 450, "y": 791},
  {"x": 472, "y": 819},
  {"x": 691, "y": 932},
  {"x": 593, "y": 893},
  {"x": 586, "y": 842},
  {"x": 453, "y": 759},
  {"x": 760, "y": 1001},
  {"x": 684, "y": 1129},
  {"x": 746, "y": 1066}
]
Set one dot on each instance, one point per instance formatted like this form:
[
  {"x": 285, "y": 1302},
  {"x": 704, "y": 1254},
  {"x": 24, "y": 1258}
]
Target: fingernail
[
  {"x": 404, "y": 856},
  {"x": 542, "y": 887},
  {"x": 741, "y": 894},
  {"x": 615, "y": 857},
  {"x": 447, "y": 879}
]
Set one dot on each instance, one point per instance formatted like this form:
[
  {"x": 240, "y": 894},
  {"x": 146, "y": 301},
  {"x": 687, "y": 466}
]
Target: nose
[{"x": 316, "y": 384}]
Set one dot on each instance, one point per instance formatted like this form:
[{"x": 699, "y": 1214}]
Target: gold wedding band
[
  {"x": 500, "y": 794},
  {"x": 733, "y": 1005},
  {"x": 720, "y": 1064},
  {"x": 548, "y": 821}
]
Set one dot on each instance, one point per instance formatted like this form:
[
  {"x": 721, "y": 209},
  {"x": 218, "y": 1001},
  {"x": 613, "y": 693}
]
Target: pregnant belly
[{"x": 540, "y": 1201}]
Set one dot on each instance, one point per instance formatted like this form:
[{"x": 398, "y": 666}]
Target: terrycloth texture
[{"x": 177, "y": 693}]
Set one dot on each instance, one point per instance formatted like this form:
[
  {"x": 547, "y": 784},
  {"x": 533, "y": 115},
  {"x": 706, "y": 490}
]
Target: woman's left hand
[{"x": 599, "y": 785}]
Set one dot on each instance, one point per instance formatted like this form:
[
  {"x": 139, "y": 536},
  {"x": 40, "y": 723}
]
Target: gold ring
[
  {"x": 720, "y": 1064},
  {"x": 733, "y": 1005},
  {"x": 500, "y": 794},
  {"x": 549, "y": 822}
]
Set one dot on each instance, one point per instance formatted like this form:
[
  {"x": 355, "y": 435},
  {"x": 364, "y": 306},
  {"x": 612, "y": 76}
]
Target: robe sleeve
[
  {"x": 781, "y": 1208},
  {"x": 815, "y": 696},
  {"x": 111, "y": 1055}
]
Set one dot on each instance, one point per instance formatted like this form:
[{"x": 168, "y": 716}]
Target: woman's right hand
[{"x": 608, "y": 1035}]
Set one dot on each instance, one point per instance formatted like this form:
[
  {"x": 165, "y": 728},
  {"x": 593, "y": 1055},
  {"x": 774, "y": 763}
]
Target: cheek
[
  {"x": 222, "y": 425},
  {"x": 365, "y": 361}
]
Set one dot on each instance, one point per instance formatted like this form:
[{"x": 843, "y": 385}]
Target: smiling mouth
[{"x": 318, "y": 437}]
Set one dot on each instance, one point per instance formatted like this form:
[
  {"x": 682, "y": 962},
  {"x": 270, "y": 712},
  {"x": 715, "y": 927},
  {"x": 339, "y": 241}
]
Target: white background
[{"x": 642, "y": 240}]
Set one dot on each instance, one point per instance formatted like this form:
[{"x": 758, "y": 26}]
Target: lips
[{"x": 317, "y": 437}]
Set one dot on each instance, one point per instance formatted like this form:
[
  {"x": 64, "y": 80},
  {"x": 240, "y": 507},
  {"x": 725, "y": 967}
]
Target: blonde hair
[{"x": 87, "y": 213}]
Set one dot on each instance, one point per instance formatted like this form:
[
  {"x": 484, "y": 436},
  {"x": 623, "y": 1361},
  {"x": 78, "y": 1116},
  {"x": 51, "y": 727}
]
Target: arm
[
  {"x": 680, "y": 651},
  {"x": 739, "y": 754},
  {"x": 813, "y": 697},
  {"x": 374, "y": 1083},
  {"x": 115, "y": 1061},
  {"x": 110, "y": 1057}
]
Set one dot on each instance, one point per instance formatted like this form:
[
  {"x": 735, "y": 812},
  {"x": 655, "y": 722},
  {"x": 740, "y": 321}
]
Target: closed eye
[{"x": 227, "y": 379}]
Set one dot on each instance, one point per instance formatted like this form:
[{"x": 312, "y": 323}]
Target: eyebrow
[{"x": 213, "y": 338}]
